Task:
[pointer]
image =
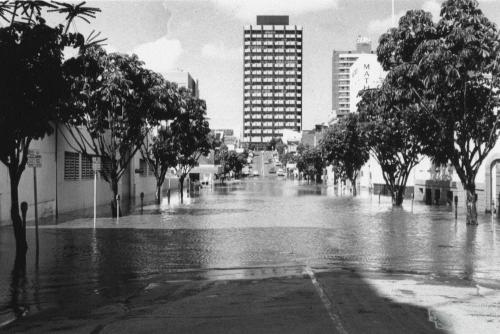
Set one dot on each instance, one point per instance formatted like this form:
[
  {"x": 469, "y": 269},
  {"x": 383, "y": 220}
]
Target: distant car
[
  {"x": 280, "y": 172},
  {"x": 272, "y": 170},
  {"x": 278, "y": 164},
  {"x": 255, "y": 173}
]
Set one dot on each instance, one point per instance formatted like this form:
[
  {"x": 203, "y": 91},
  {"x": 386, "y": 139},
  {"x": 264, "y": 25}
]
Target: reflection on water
[{"x": 278, "y": 226}]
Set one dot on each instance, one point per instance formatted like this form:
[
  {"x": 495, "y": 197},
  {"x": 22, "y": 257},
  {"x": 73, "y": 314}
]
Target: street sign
[
  {"x": 96, "y": 164},
  {"x": 34, "y": 159}
]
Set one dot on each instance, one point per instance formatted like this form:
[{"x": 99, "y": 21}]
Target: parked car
[
  {"x": 255, "y": 173},
  {"x": 272, "y": 170},
  {"x": 278, "y": 164},
  {"x": 280, "y": 172}
]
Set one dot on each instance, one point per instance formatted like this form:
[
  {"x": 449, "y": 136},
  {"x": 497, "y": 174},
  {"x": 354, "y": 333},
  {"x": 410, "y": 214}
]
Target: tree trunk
[
  {"x": 114, "y": 190},
  {"x": 398, "y": 195},
  {"x": 17, "y": 222},
  {"x": 18, "y": 286},
  {"x": 158, "y": 193},
  {"x": 354, "y": 190},
  {"x": 181, "y": 188},
  {"x": 471, "y": 206}
]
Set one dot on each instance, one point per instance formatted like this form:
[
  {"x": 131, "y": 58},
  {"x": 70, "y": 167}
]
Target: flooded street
[{"x": 259, "y": 228}]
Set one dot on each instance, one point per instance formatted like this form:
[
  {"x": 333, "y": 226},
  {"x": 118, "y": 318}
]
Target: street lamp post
[{"x": 262, "y": 162}]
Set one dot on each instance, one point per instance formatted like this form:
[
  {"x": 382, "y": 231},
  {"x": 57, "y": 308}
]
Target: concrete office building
[
  {"x": 341, "y": 63},
  {"x": 272, "y": 100},
  {"x": 184, "y": 79}
]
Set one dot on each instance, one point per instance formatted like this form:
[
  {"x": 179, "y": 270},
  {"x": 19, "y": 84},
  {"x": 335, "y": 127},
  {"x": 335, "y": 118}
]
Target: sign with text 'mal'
[{"x": 34, "y": 159}]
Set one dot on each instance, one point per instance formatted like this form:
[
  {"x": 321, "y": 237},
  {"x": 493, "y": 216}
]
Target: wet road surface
[{"x": 275, "y": 254}]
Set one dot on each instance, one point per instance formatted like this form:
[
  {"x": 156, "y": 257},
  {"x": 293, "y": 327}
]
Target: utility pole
[
  {"x": 262, "y": 162},
  {"x": 393, "y": 17}
]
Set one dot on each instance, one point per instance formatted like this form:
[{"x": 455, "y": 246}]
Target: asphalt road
[{"x": 301, "y": 301}]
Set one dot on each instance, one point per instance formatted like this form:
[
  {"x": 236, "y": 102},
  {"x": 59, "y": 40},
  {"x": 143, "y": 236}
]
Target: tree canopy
[
  {"x": 310, "y": 162},
  {"x": 189, "y": 135},
  {"x": 345, "y": 146},
  {"x": 113, "y": 105},
  {"x": 450, "y": 70},
  {"x": 389, "y": 123},
  {"x": 32, "y": 86}
]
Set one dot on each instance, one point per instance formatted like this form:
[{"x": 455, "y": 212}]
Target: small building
[
  {"x": 291, "y": 139},
  {"x": 184, "y": 79},
  {"x": 207, "y": 170}
]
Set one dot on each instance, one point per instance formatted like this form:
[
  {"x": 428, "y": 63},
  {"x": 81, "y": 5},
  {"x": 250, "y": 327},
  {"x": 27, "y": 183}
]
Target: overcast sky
[{"x": 205, "y": 37}]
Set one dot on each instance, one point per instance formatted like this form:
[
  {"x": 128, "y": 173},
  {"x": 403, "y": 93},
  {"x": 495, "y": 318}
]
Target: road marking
[{"x": 326, "y": 301}]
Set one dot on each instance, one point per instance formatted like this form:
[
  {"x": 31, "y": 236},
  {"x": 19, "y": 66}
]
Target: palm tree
[{"x": 73, "y": 11}]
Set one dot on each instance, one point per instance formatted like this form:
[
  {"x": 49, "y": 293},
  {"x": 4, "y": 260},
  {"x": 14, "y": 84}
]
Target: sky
[{"x": 205, "y": 38}]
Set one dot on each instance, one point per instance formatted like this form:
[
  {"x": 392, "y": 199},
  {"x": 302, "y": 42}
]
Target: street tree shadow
[{"x": 363, "y": 310}]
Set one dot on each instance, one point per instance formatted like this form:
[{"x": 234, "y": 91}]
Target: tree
[
  {"x": 310, "y": 162},
  {"x": 280, "y": 148},
  {"x": 220, "y": 154},
  {"x": 160, "y": 154},
  {"x": 31, "y": 87},
  {"x": 389, "y": 126},
  {"x": 157, "y": 150},
  {"x": 345, "y": 146},
  {"x": 289, "y": 157},
  {"x": 301, "y": 148},
  {"x": 190, "y": 136},
  {"x": 113, "y": 105},
  {"x": 272, "y": 143},
  {"x": 232, "y": 162},
  {"x": 451, "y": 71}
]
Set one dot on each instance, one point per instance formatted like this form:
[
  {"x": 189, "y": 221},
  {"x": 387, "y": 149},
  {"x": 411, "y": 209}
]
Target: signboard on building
[
  {"x": 34, "y": 159},
  {"x": 365, "y": 73}
]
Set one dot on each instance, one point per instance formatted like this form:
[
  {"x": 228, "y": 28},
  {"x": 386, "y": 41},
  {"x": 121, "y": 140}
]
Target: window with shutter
[
  {"x": 87, "y": 171},
  {"x": 71, "y": 166}
]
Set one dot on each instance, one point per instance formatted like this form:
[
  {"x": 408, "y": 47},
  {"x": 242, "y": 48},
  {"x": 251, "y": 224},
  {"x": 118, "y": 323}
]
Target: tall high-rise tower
[
  {"x": 341, "y": 63},
  {"x": 272, "y": 87}
]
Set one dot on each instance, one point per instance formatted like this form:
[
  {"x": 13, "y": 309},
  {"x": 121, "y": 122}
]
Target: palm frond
[
  {"x": 93, "y": 39},
  {"x": 74, "y": 11},
  {"x": 6, "y": 9},
  {"x": 29, "y": 8}
]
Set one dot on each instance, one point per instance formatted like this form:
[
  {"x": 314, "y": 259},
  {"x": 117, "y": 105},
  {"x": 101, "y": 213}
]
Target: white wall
[
  {"x": 46, "y": 189},
  {"x": 72, "y": 195}
]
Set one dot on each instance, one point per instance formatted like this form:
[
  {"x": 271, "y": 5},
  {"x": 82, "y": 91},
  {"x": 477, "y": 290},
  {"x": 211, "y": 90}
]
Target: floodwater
[{"x": 238, "y": 231}]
